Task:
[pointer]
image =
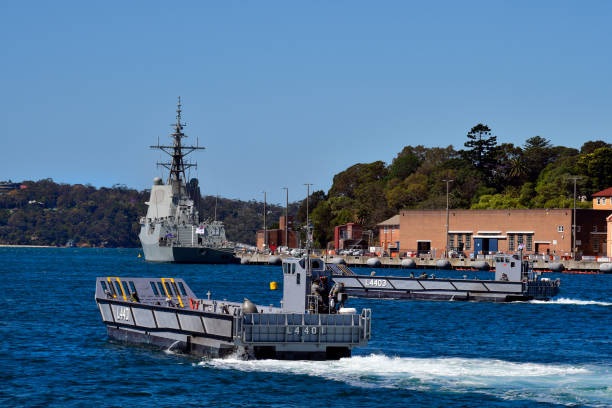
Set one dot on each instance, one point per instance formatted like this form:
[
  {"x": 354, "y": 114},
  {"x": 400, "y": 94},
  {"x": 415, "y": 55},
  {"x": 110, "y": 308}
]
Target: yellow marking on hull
[
  {"x": 177, "y": 292},
  {"x": 165, "y": 288},
  {"x": 120, "y": 286}
]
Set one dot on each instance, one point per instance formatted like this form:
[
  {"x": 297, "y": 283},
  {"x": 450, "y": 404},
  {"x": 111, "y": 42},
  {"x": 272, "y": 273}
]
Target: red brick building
[
  {"x": 276, "y": 237},
  {"x": 541, "y": 231},
  {"x": 389, "y": 234},
  {"x": 348, "y": 236}
]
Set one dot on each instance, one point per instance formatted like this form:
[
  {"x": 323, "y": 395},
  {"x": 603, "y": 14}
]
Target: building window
[
  {"x": 510, "y": 242},
  {"x": 519, "y": 240},
  {"x": 529, "y": 242},
  {"x": 603, "y": 201},
  {"x": 594, "y": 228},
  {"x": 386, "y": 229},
  {"x": 560, "y": 228},
  {"x": 451, "y": 241},
  {"x": 595, "y": 244},
  {"x": 598, "y": 200},
  {"x": 578, "y": 228},
  {"x": 459, "y": 241},
  {"x": 468, "y": 241}
]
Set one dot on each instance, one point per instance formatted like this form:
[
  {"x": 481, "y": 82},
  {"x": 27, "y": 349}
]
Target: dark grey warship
[
  {"x": 172, "y": 230},
  {"x": 311, "y": 323}
]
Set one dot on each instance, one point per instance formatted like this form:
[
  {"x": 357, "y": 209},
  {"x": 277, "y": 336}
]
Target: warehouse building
[{"x": 538, "y": 231}]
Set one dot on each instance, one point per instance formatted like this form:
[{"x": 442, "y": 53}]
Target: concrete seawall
[{"x": 430, "y": 263}]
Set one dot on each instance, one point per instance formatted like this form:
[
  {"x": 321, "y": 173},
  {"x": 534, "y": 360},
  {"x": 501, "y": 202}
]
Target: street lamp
[
  {"x": 307, "y": 199},
  {"x": 286, "y": 217},
  {"x": 447, "y": 206},
  {"x": 265, "y": 224},
  {"x": 575, "y": 178}
]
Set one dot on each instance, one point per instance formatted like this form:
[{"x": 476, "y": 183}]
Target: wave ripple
[{"x": 552, "y": 383}]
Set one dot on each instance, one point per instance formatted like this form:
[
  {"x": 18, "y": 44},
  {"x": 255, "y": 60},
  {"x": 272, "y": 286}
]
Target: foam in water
[
  {"x": 170, "y": 350},
  {"x": 565, "y": 301},
  {"x": 565, "y": 384}
]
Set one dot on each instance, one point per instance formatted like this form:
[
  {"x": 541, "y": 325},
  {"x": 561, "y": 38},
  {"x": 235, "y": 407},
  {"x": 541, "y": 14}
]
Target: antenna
[
  {"x": 216, "y": 198},
  {"x": 177, "y": 152}
]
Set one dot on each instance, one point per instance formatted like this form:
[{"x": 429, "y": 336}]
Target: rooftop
[
  {"x": 604, "y": 193},
  {"x": 395, "y": 220}
]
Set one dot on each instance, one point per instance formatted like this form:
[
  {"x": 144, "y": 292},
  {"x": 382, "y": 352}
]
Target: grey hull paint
[
  {"x": 162, "y": 340},
  {"x": 453, "y": 296},
  {"x": 185, "y": 345},
  {"x": 155, "y": 253}
]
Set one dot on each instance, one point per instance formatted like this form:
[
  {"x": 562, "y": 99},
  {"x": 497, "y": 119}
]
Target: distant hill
[{"x": 48, "y": 213}]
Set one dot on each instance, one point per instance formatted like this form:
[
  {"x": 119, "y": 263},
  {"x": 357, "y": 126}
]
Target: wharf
[{"x": 569, "y": 266}]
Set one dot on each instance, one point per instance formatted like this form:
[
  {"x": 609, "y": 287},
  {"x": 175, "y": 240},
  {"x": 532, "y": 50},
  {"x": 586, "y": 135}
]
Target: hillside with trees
[
  {"x": 48, "y": 213},
  {"x": 485, "y": 174}
]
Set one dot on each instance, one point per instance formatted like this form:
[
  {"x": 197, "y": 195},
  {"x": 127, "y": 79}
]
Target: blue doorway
[{"x": 485, "y": 245}]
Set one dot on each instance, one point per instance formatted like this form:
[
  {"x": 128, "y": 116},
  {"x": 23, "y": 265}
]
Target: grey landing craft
[
  {"x": 514, "y": 280},
  {"x": 309, "y": 324}
]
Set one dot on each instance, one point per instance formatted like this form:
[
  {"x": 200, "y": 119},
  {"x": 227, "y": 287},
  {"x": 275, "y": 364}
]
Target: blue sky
[{"x": 283, "y": 93}]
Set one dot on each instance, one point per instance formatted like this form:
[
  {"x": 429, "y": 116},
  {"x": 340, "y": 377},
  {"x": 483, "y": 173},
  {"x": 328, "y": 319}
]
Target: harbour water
[{"x": 54, "y": 349}]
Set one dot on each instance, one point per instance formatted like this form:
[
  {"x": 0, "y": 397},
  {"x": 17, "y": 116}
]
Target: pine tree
[{"x": 481, "y": 147}]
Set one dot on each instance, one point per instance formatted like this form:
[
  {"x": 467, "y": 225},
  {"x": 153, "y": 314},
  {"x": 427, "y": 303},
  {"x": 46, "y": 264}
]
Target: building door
[
  {"x": 477, "y": 245},
  {"x": 492, "y": 245},
  {"x": 542, "y": 248},
  {"x": 423, "y": 247}
]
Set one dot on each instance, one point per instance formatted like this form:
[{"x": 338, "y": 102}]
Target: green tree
[
  {"x": 537, "y": 154},
  {"x": 406, "y": 163},
  {"x": 481, "y": 147},
  {"x": 347, "y": 181},
  {"x": 591, "y": 146},
  {"x": 597, "y": 167}
]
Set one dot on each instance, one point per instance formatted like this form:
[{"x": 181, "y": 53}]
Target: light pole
[
  {"x": 286, "y": 217},
  {"x": 307, "y": 199},
  {"x": 575, "y": 178},
  {"x": 447, "y": 183},
  {"x": 265, "y": 224},
  {"x": 307, "y": 213}
]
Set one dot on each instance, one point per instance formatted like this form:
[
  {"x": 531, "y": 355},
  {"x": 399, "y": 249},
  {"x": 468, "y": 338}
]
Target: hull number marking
[
  {"x": 123, "y": 313},
  {"x": 297, "y": 330},
  {"x": 379, "y": 283}
]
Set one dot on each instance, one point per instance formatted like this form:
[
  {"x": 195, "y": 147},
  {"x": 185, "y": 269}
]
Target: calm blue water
[{"x": 54, "y": 350}]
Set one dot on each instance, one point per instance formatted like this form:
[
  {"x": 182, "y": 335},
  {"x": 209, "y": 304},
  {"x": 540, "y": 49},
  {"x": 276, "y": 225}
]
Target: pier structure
[{"x": 543, "y": 265}]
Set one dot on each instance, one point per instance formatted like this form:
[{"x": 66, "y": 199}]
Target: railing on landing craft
[{"x": 351, "y": 329}]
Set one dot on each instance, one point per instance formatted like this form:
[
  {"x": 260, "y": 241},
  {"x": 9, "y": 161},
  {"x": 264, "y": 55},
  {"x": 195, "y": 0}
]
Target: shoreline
[
  {"x": 51, "y": 246},
  {"x": 27, "y": 246}
]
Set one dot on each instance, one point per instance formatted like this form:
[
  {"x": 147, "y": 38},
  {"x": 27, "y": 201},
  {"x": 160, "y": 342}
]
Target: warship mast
[{"x": 177, "y": 167}]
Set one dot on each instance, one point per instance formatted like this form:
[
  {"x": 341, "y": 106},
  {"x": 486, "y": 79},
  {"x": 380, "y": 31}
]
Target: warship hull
[
  {"x": 154, "y": 252},
  {"x": 201, "y": 255}
]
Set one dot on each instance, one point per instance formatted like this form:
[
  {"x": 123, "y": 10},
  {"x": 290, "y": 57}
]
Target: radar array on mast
[{"x": 177, "y": 151}]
